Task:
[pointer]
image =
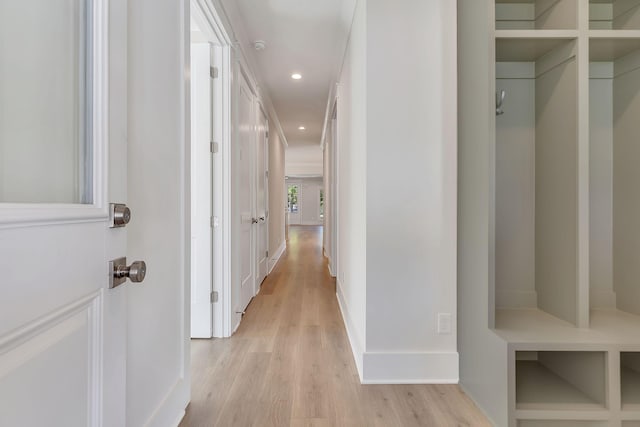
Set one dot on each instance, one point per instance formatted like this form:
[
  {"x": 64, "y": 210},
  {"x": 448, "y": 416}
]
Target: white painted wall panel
[{"x": 411, "y": 175}]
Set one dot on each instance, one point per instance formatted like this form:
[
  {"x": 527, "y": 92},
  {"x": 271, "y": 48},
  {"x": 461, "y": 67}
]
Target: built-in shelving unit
[{"x": 563, "y": 247}]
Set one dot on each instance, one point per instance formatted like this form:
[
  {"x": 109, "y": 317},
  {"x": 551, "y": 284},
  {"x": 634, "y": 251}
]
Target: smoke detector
[{"x": 259, "y": 45}]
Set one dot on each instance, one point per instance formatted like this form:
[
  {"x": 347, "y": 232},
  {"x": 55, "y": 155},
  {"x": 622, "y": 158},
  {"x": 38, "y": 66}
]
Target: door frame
[{"x": 212, "y": 25}]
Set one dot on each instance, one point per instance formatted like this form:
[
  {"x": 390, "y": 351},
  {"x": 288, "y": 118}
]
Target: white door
[
  {"x": 262, "y": 207},
  {"x": 76, "y": 102},
  {"x": 58, "y": 319},
  {"x": 246, "y": 193},
  {"x": 201, "y": 191},
  {"x": 294, "y": 198}
]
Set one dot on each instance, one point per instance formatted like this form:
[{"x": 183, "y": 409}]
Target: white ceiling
[{"x": 304, "y": 36}]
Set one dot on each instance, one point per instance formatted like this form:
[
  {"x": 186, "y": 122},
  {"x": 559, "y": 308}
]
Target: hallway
[{"x": 290, "y": 364}]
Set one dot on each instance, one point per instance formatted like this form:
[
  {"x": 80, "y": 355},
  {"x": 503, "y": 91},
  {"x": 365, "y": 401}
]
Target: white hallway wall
[
  {"x": 304, "y": 160},
  {"x": 397, "y": 143}
]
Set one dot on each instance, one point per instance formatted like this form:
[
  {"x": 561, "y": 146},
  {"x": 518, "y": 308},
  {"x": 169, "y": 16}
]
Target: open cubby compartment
[
  {"x": 561, "y": 380},
  {"x": 535, "y": 184},
  {"x": 614, "y": 89},
  {"x": 614, "y": 14},
  {"x": 536, "y": 14},
  {"x": 630, "y": 380},
  {"x": 561, "y": 423}
]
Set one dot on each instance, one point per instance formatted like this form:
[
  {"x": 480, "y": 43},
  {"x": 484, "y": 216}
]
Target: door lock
[
  {"x": 254, "y": 220},
  {"x": 119, "y": 272},
  {"x": 119, "y": 215}
]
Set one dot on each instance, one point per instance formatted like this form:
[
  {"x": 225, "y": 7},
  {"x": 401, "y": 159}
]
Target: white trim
[
  {"x": 227, "y": 316},
  {"x": 215, "y": 24},
  {"x": 212, "y": 25},
  {"x": 332, "y": 271},
  {"x": 356, "y": 344},
  {"x": 172, "y": 406},
  {"x": 276, "y": 257},
  {"x": 184, "y": 391},
  {"x": 410, "y": 368}
]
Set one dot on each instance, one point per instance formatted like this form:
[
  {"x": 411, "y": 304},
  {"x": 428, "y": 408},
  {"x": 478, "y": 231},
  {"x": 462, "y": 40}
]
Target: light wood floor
[{"x": 290, "y": 364}]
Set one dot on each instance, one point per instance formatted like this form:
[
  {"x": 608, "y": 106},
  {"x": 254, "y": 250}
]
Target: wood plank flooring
[{"x": 290, "y": 363}]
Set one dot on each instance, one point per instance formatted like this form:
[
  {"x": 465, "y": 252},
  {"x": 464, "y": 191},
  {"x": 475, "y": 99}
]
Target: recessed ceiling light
[
  {"x": 296, "y": 76},
  {"x": 302, "y": 128}
]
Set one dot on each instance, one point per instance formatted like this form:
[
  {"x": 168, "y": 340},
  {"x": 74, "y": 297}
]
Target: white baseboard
[
  {"x": 516, "y": 299},
  {"x": 397, "y": 368},
  {"x": 411, "y": 368},
  {"x": 354, "y": 339},
  {"x": 332, "y": 271},
  {"x": 172, "y": 409},
  {"x": 276, "y": 257}
]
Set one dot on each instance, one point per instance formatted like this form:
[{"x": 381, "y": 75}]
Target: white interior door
[
  {"x": 63, "y": 103},
  {"x": 201, "y": 191},
  {"x": 87, "y": 118},
  {"x": 246, "y": 192},
  {"x": 262, "y": 207}
]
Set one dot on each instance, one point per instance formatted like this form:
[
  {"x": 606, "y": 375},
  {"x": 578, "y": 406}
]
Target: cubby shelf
[
  {"x": 614, "y": 14},
  {"x": 630, "y": 380},
  {"x": 538, "y": 388},
  {"x": 608, "y": 47},
  {"x": 556, "y": 381},
  {"x": 528, "y": 46},
  {"x": 535, "y": 14},
  {"x": 559, "y": 177}
]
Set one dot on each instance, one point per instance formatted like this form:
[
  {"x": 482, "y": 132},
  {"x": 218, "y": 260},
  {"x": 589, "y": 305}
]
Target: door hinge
[
  {"x": 266, "y": 254},
  {"x": 214, "y": 72},
  {"x": 214, "y": 296},
  {"x": 267, "y": 133},
  {"x": 266, "y": 174},
  {"x": 213, "y": 146}
]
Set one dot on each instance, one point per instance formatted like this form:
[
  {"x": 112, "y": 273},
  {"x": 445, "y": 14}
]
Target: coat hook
[{"x": 499, "y": 100}]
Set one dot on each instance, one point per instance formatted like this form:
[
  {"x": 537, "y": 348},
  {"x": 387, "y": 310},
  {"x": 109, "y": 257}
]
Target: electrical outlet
[{"x": 444, "y": 323}]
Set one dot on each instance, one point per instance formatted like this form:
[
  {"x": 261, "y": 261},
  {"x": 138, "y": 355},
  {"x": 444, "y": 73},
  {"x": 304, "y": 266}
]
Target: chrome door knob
[
  {"x": 120, "y": 272},
  {"x": 254, "y": 221},
  {"x": 135, "y": 272}
]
